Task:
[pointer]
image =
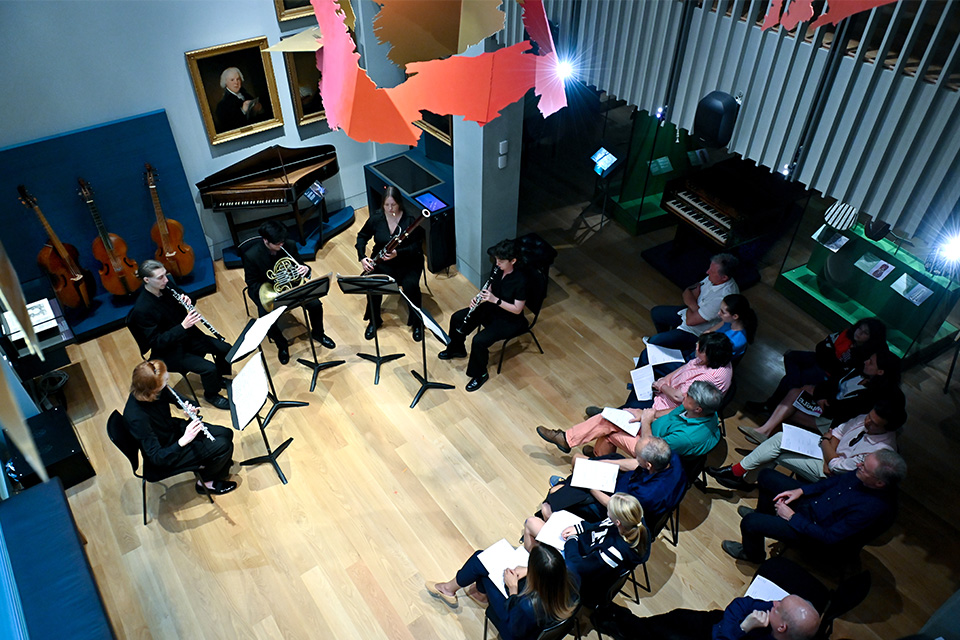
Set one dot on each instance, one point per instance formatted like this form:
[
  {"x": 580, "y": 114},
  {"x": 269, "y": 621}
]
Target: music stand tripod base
[
  {"x": 272, "y": 454},
  {"x": 372, "y": 286},
  {"x": 299, "y": 297}
]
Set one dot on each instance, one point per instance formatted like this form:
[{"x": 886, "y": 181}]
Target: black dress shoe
[
  {"x": 218, "y": 401},
  {"x": 450, "y": 354},
  {"x": 726, "y": 477},
  {"x": 220, "y": 487},
  {"x": 371, "y": 331},
  {"x": 477, "y": 382},
  {"x": 326, "y": 342},
  {"x": 417, "y": 333},
  {"x": 735, "y": 550},
  {"x": 283, "y": 355}
]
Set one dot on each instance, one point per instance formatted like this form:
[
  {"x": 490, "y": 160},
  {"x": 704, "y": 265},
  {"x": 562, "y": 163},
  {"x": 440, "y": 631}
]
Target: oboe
[
  {"x": 476, "y": 300},
  {"x": 190, "y": 413},
  {"x": 182, "y": 299}
]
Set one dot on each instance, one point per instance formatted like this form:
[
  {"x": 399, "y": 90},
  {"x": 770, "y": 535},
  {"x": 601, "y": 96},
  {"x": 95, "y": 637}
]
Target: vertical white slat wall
[{"x": 885, "y": 142}]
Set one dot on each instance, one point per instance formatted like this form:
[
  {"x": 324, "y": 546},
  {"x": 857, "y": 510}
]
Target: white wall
[{"x": 73, "y": 64}]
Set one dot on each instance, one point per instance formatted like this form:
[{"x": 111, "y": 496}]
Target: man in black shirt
[{"x": 260, "y": 254}]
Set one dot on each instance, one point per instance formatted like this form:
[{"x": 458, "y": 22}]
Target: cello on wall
[
  {"x": 73, "y": 285},
  {"x": 172, "y": 252},
  {"x": 118, "y": 273}
]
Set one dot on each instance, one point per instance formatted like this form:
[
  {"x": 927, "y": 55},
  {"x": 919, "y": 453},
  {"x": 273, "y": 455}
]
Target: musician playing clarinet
[
  {"x": 497, "y": 310},
  {"x": 404, "y": 264},
  {"x": 161, "y": 325},
  {"x": 259, "y": 256},
  {"x": 169, "y": 442}
]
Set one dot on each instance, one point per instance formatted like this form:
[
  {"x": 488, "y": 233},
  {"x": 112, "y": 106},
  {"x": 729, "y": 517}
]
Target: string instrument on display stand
[
  {"x": 73, "y": 285},
  {"x": 118, "y": 273},
  {"x": 398, "y": 238},
  {"x": 173, "y": 253}
]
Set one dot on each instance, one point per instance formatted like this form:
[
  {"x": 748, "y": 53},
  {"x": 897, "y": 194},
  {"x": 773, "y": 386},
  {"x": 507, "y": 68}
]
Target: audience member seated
[
  {"x": 844, "y": 508},
  {"x": 835, "y": 355},
  {"x": 844, "y": 447},
  {"x": 539, "y": 595},
  {"x": 839, "y": 399},
  {"x": 679, "y": 326},
  {"x": 691, "y": 429},
  {"x": 654, "y": 477},
  {"x": 792, "y": 618},
  {"x": 598, "y": 552}
]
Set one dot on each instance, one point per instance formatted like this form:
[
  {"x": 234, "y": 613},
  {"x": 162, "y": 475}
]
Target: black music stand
[
  {"x": 376, "y": 285},
  {"x": 299, "y": 297},
  {"x": 255, "y": 392},
  {"x": 427, "y": 321}
]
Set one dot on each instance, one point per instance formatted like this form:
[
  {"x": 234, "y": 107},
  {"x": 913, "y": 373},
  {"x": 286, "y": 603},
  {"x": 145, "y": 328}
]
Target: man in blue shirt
[
  {"x": 792, "y": 618},
  {"x": 842, "y": 508}
]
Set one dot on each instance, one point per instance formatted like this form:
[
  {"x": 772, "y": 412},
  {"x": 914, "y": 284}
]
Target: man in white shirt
[
  {"x": 844, "y": 447},
  {"x": 678, "y": 327}
]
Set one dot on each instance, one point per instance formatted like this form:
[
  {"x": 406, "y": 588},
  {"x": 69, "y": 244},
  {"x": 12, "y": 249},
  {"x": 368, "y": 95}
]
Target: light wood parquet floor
[{"x": 382, "y": 497}]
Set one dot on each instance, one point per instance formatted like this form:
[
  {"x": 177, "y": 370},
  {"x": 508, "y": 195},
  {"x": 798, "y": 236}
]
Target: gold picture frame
[
  {"x": 304, "y": 80},
  {"x": 292, "y": 9},
  {"x": 253, "y": 107}
]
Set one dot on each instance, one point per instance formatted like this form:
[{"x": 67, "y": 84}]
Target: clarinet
[
  {"x": 462, "y": 329},
  {"x": 182, "y": 299},
  {"x": 190, "y": 413}
]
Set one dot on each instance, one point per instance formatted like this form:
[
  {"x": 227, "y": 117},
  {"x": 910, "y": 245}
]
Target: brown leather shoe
[{"x": 554, "y": 436}]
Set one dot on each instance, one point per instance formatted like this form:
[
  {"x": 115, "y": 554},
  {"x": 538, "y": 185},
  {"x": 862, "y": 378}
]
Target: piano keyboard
[
  {"x": 702, "y": 221},
  {"x": 226, "y": 202}
]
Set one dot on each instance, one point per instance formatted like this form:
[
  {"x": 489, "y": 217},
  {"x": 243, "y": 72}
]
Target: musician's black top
[
  {"x": 510, "y": 288},
  {"x": 410, "y": 251},
  {"x": 257, "y": 259},
  {"x": 155, "y": 323},
  {"x": 157, "y": 430}
]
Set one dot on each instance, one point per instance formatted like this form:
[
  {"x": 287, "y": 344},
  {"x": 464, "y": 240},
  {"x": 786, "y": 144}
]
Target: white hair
[{"x": 223, "y": 76}]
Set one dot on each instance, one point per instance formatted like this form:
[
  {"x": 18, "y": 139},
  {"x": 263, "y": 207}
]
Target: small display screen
[{"x": 431, "y": 202}]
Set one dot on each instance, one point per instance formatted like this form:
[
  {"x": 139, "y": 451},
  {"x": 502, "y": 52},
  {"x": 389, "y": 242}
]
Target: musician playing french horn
[
  {"x": 169, "y": 442},
  {"x": 497, "y": 311},
  {"x": 162, "y": 325},
  {"x": 266, "y": 261},
  {"x": 404, "y": 264}
]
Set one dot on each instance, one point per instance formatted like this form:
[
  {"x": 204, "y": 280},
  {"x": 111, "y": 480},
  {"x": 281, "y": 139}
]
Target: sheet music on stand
[
  {"x": 248, "y": 393},
  {"x": 428, "y": 321},
  {"x": 254, "y": 335}
]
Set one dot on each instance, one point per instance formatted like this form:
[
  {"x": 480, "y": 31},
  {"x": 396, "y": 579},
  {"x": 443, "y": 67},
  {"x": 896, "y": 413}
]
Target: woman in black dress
[
  {"x": 498, "y": 314},
  {"x": 405, "y": 264}
]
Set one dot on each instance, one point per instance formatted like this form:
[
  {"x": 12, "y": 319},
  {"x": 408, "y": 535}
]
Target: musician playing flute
[
  {"x": 162, "y": 326},
  {"x": 260, "y": 256},
  {"x": 404, "y": 264},
  {"x": 497, "y": 311},
  {"x": 169, "y": 442}
]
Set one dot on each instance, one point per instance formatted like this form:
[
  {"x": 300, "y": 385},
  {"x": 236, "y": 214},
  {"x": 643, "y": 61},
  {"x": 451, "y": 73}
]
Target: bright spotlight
[
  {"x": 564, "y": 69},
  {"x": 950, "y": 250}
]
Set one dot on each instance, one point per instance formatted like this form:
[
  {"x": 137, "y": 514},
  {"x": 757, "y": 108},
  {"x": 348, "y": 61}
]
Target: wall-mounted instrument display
[
  {"x": 118, "y": 273},
  {"x": 73, "y": 285},
  {"x": 175, "y": 254}
]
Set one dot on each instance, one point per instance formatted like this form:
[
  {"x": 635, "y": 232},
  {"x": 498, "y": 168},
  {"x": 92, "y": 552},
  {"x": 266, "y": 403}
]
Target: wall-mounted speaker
[{"x": 714, "y": 120}]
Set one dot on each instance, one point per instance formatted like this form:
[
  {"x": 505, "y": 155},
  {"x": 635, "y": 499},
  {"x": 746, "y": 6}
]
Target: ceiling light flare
[
  {"x": 950, "y": 250},
  {"x": 564, "y": 69}
]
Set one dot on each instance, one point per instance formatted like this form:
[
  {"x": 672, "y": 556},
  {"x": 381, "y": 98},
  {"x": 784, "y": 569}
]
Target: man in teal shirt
[{"x": 692, "y": 429}]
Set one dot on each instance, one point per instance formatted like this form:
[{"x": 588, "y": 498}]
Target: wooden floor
[{"x": 381, "y": 497}]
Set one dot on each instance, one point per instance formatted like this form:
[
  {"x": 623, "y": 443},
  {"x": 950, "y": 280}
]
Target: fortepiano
[
  {"x": 273, "y": 178},
  {"x": 731, "y": 203}
]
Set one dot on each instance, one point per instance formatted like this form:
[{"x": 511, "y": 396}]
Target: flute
[
  {"x": 182, "y": 299},
  {"x": 191, "y": 413},
  {"x": 476, "y": 300}
]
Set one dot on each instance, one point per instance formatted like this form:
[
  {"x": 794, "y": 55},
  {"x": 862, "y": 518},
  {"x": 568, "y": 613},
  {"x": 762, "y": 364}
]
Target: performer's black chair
[
  {"x": 534, "y": 303},
  {"x": 554, "y": 632},
  {"x": 120, "y": 435}
]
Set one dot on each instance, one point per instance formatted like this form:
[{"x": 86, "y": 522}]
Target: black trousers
[
  {"x": 191, "y": 356},
  {"x": 215, "y": 456},
  {"x": 764, "y": 522},
  {"x": 314, "y": 311},
  {"x": 679, "y": 624},
  {"x": 408, "y": 277},
  {"x": 494, "y": 325}
]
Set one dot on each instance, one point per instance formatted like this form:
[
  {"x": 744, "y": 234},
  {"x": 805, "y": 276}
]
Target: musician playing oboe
[
  {"x": 260, "y": 256},
  {"x": 404, "y": 264},
  {"x": 161, "y": 325},
  {"x": 169, "y": 442},
  {"x": 498, "y": 309}
]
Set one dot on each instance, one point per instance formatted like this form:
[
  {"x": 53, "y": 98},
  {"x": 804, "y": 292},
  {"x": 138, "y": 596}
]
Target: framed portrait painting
[
  {"x": 235, "y": 88},
  {"x": 304, "y": 79},
  {"x": 292, "y": 9}
]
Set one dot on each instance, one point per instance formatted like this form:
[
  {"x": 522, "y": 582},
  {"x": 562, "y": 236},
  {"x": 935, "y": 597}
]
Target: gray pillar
[{"x": 486, "y": 195}]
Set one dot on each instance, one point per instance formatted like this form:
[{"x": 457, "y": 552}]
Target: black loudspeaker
[
  {"x": 59, "y": 449},
  {"x": 714, "y": 120},
  {"x": 441, "y": 232}
]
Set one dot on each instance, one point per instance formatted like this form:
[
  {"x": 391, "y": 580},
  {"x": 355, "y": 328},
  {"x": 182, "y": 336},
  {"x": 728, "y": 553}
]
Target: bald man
[{"x": 792, "y": 618}]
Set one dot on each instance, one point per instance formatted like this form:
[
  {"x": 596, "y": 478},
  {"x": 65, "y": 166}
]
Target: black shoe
[
  {"x": 593, "y": 411},
  {"x": 587, "y": 450},
  {"x": 726, "y": 477},
  {"x": 735, "y": 550},
  {"x": 477, "y": 382},
  {"x": 417, "y": 333},
  {"x": 220, "y": 487},
  {"x": 218, "y": 401},
  {"x": 744, "y": 510},
  {"x": 450, "y": 354},
  {"x": 283, "y": 355},
  {"x": 325, "y": 341},
  {"x": 371, "y": 330}
]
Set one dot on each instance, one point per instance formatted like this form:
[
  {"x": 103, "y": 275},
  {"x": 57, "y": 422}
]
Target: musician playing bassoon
[
  {"x": 404, "y": 264},
  {"x": 260, "y": 256},
  {"x": 169, "y": 442},
  {"x": 499, "y": 313},
  {"x": 162, "y": 326}
]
